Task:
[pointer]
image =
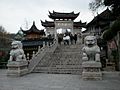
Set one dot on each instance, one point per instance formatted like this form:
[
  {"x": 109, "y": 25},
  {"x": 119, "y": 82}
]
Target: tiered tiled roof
[
  {"x": 33, "y": 29},
  {"x": 51, "y": 24},
  {"x": 58, "y": 15},
  {"x": 48, "y": 23},
  {"x": 79, "y": 24}
]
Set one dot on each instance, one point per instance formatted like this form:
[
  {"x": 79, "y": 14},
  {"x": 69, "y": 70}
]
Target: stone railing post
[
  {"x": 39, "y": 48},
  {"x": 47, "y": 44},
  {"x": 50, "y": 44},
  {"x": 33, "y": 55},
  {"x": 43, "y": 44},
  {"x": 28, "y": 56}
]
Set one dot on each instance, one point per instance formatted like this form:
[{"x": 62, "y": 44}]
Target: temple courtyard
[{"x": 41, "y": 81}]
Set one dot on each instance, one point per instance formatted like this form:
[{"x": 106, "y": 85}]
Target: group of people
[{"x": 67, "y": 39}]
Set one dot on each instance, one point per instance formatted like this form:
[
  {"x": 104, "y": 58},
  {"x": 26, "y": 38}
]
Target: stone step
[
  {"x": 58, "y": 70},
  {"x": 65, "y": 60},
  {"x": 59, "y": 63},
  {"x": 62, "y": 67},
  {"x": 54, "y": 68}
]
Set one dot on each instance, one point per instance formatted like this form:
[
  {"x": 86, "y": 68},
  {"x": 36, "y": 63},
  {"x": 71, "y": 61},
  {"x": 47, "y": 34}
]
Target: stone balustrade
[{"x": 40, "y": 54}]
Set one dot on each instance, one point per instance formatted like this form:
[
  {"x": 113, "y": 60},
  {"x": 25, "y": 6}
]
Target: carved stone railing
[{"x": 40, "y": 54}]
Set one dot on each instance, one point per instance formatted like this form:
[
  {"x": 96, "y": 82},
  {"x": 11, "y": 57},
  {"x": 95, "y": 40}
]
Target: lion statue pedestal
[
  {"x": 17, "y": 63},
  {"x": 91, "y": 60}
]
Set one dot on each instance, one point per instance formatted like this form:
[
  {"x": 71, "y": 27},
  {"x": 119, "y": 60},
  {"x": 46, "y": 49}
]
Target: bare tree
[
  {"x": 2, "y": 29},
  {"x": 4, "y": 37},
  {"x": 26, "y": 24},
  {"x": 95, "y": 4}
]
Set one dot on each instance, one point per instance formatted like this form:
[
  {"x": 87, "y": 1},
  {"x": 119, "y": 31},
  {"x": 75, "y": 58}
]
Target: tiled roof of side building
[
  {"x": 33, "y": 29},
  {"x": 105, "y": 16}
]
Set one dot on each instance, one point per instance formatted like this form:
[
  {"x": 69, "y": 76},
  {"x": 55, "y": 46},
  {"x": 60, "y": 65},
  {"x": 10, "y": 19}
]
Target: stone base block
[
  {"x": 91, "y": 70},
  {"x": 91, "y": 64},
  {"x": 92, "y": 75},
  {"x": 17, "y": 68}
]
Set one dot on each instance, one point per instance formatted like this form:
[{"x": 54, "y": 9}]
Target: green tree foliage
[
  {"x": 108, "y": 35},
  {"x": 112, "y": 31},
  {"x": 4, "y": 38},
  {"x": 113, "y": 4},
  {"x": 4, "y": 46},
  {"x": 2, "y": 30},
  {"x": 3, "y": 60},
  {"x": 116, "y": 26},
  {"x": 95, "y": 4}
]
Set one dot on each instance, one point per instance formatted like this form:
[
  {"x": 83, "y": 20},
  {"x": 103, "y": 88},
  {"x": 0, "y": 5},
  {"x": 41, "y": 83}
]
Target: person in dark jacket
[
  {"x": 71, "y": 38},
  {"x": 75, "y": 37},
  {"x": 60, "y": 39}
]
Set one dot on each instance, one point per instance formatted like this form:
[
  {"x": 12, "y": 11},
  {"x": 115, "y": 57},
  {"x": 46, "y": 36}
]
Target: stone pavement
[{"x": 39, "y": 81}]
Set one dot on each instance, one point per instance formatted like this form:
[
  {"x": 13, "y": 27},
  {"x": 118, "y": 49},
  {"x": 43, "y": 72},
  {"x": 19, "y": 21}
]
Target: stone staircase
[{"x": 66, "y": 59}]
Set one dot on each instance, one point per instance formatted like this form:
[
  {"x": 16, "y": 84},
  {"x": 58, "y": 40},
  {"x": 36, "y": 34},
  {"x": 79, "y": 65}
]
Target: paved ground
[{"x": 38, "y": 81}]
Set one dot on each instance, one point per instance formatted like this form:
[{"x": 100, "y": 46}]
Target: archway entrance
[
  {"x": 63, "y": 31},
  {"x": 62, "y": 26}
]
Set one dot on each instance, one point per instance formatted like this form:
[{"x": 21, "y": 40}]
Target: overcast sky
[{"x": 15, "y": 13}]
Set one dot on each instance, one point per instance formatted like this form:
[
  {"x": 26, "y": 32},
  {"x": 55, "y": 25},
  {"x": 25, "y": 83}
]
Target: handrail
[{"x": 40, "y": 54}]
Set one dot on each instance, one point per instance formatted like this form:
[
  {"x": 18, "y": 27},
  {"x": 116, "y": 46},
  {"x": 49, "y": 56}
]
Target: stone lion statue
[
  {"x": 91, "y": 51},
  {"x": 17, "y": 53}
]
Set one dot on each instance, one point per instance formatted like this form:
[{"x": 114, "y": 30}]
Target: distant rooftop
[{"x": 59, "y": 15}]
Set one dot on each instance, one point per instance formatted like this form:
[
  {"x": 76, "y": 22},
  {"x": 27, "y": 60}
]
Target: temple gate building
[
  {"x": 64, "y": 21},
  {"x": 34, "y": 38}
]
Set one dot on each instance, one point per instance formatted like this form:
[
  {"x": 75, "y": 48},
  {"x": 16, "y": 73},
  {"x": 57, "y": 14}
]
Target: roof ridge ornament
[{"x": 33, "y": 22}]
